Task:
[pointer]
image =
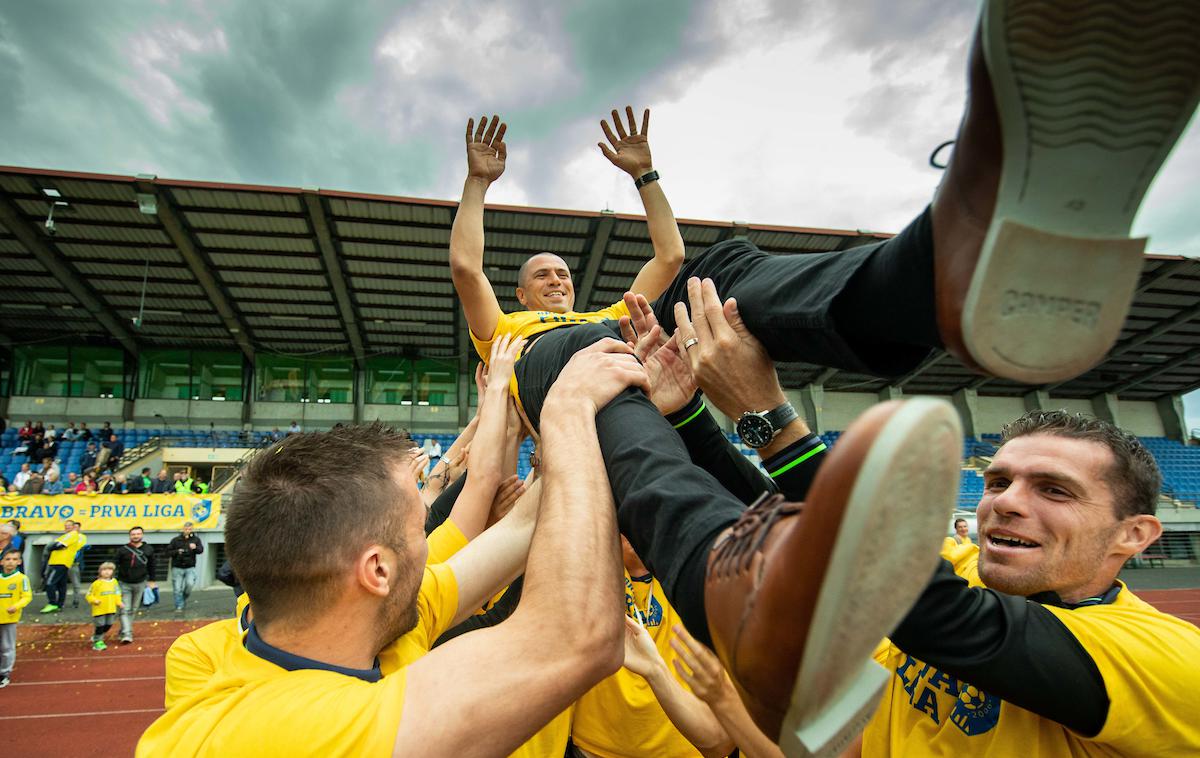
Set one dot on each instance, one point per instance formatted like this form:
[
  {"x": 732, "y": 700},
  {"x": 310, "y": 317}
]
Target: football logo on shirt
[{"x": 974, "y": 712}]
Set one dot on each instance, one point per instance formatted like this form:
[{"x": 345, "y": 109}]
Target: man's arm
[
  {"x": 565, "y": 635},
  {"x": 687, "y": 712},
  {"x": 486, "y": 153},
  {"x": 631, "y": 153},
  {"x": 199, "y": 545}
]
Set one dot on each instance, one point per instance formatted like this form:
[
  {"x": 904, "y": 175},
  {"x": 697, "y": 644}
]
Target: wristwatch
[{"x": 758, "y": 428}]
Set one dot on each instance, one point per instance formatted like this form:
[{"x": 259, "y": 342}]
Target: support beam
[
  {"x": 1037, "y": 400},
  {"x": 1106, "y": 408},
  {"x": 1174, "y": 421},
  {"x": 1190, "y": 356},
  {"x": 812, "y": 406},
  {"x": 890, "y": 392},
  {"x": 936, "y": 357},
  {"x": 465, "y": 379},
  {"x": 823, "y": 377},
  {"x": 318, "y": 218},
  {"x": 595, "y": 256},
  {"x": 966, "y": 402},
  {"x": 61, "y": 269},
  {"x": 173, "y": 225}
]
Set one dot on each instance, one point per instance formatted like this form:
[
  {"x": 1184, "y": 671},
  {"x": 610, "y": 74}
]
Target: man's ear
[
  {"x": 373, "y": 572},
  {"x": 1137, "y": 533},
  {"x": 521, "y": 296}
]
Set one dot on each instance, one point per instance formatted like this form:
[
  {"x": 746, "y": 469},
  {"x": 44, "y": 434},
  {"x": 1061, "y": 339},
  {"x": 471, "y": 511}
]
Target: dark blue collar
[
  {"x": 644, "y": 578},
  {"x": 1052, "y": 598},
  {"x": 291, "y": 662}
]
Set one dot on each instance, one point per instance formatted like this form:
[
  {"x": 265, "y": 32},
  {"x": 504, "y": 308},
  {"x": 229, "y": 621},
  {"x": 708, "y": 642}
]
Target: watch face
[{"x": 755, "y": 431}]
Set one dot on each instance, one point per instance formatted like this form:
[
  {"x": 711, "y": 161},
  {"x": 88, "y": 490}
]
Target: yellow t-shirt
[
  {"x": 14, "y": 592},
  {"x": 444, "y": 542},
  {"x": 108, "y": 592},
  {"x": 194, "y": 657},
  {"x": 620, "y": 717},
  {"x": 253, "y": 707},
  {"x": 74, "y": 542},
  {"x": 1150, "y": 663},
  {"x": 528, "y": 323}
]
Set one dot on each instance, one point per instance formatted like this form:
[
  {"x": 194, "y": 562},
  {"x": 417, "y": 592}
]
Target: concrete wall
[
  {"x": 1141, "y": 417},
  {"x": 428, "y": 418},
  {"x": 312, "y": 416},
  {"x": 187, "y": 414},
  {"x": 57, "y": 410}
]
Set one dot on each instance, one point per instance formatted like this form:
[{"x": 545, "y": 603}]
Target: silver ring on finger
[{"x": 689, "y": 342}]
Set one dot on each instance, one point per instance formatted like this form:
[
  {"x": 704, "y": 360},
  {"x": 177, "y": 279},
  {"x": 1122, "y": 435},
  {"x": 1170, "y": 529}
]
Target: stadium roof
[{"x": 308, "y": 271}]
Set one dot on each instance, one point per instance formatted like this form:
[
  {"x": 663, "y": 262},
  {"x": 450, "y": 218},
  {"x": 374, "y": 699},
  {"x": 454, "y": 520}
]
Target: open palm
[{"x": 486, "y": 150}]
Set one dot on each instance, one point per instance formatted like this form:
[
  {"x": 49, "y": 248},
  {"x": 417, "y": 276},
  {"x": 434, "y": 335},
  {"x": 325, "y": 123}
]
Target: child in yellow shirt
[
  {"x": 15, "y": 594},
  {"x": 105, "y": 598}
]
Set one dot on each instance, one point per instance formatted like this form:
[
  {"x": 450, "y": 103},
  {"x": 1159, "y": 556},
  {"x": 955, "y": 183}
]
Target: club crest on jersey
[
  {"x": 202, "y": 510},
  {"x": 973, "y": 712}
]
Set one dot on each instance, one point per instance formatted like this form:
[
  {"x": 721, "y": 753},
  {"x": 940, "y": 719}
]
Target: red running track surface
[{"x": 62, "y": 690}]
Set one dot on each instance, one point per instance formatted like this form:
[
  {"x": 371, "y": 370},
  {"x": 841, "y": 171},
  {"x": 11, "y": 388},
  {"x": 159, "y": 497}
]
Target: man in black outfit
[{"x": 135, "y": 572}]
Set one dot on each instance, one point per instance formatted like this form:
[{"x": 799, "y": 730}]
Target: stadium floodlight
[
  {"x": 51, "y": 192},
  {"x": 51, "y": 228},
  {"x": 147, "y": 203}
]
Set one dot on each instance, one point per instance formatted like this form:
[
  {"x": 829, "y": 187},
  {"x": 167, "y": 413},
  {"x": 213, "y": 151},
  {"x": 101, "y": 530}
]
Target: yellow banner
[{"x": 111, "y": 513}]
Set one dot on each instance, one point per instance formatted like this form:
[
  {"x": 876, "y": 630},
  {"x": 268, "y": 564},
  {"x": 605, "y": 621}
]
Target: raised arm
[
  {"x": 565, "y": 635},
  {"x": 630, "y": 152},
  {"x": 486, "y": 153}
]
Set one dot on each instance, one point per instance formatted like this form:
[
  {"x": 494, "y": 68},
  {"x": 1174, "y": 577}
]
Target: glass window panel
[
  {"x": 279, "y": 378},
  {"x": 40, "y": 370},
  {"x": 331, "y": 381},
  {"x": 216, "y": 375},
  {"x": 163, "y": 374},
  {"x": 5, "y": 373},
  {"x": 389, "y": 380},
  {"x": 437, "y": 382},
  {"x": 97, "y": 372}
]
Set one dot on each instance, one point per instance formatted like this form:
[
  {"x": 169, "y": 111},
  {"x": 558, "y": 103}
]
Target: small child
[
  {"x": 15, "y": 594},
  {"x": 105, "y": 598}
]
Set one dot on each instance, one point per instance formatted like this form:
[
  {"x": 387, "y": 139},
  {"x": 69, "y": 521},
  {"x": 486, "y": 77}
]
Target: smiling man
[{"x": 1034, "y": 646}]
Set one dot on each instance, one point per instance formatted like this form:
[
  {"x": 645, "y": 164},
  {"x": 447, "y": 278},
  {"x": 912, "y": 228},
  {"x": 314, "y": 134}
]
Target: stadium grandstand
[{"x": 201, "y": 319}]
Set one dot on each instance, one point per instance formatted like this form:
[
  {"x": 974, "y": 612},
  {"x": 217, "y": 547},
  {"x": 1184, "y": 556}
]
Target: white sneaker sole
[
  {"x": 1092, "y": 96},
  {"x": 884, "y": 555}
]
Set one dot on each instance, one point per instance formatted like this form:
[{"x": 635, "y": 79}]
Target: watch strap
[
  {"x": 646, "y": 178},
  {"x": 780, "y": 416}
]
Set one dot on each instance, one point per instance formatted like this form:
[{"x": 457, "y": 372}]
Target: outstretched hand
[
  {"x": 630, "y": 151},
  {"x": 486, "y": 150},
  {"x": 641, "y": 654},
  {"x": 596, "y": 374},
  {"x": 671, "y": 382}
]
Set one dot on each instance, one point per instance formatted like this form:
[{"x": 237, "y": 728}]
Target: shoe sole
[
  {"x": 1092, "y": 96},
  {"x": 904, "y": 493}
]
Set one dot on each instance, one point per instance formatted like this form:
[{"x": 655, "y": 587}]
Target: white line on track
[
  {"x": 119, "y": 657},
  {"x": 92, "y": 681},
  {"x": 77, "y": 715}
]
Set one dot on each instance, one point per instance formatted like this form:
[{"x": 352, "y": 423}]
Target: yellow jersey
[
  {"x": 14, "y": 593},
  {"x": 251, "y": 706},
  {"x": 620, "y": 717},
  {"x": 73, "y": 542},
  {"x": 103, "y": 596},
  {"x": 528, "y": 323},
  {"x": 444, "y": 542},
  {"x": 194, "y": 657},
  {"x": 437, "y": 603},
  {"x": 1148, "y": 660}
]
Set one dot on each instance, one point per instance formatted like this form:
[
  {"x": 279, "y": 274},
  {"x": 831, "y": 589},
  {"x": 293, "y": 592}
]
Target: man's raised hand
[
  {"x": 596, "y": 374},
  {"x": 630, "y": 150},
  {"x": 486, "y": 150},
  {"x": 671, "y": 382}
]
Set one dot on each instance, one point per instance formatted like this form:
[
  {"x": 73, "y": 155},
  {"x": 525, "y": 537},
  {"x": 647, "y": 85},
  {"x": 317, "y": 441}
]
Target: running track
[{"x": 64, "y": 695}]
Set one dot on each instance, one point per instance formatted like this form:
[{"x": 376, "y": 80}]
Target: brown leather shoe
[
  {"x": 1072, "y": 109},
  {"x": 799, "y": 596}
]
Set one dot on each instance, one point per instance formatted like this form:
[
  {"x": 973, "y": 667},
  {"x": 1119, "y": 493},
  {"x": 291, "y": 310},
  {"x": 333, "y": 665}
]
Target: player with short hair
[
  {"x": 62, "y": 556},
  {"x": 15, "y": 594}
]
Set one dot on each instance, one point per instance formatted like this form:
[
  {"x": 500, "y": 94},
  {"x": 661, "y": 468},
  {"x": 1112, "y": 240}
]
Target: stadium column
[
  {"x": 1170, "y": 409},
  {"x": 1036, "y": 400},
  {"x": 812, "y": 402},
  {"x": 966, "y": 402},
  {"x": 890, "y": 392},
  {"x": 1105, "y": 408}
]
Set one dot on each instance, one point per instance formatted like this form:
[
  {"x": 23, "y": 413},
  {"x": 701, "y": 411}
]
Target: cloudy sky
[{"x": 815, "y": 113}]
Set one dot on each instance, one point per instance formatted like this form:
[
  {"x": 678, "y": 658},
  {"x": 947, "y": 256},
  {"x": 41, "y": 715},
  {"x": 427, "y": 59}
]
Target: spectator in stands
[
  {"x": 294, "y": 428},
  {"x": 77, "y": 563},
  {"x": 162, "y": 484},
  {"x": 185, "y": 484},
  {"x": 53, "y": 467},
  {"x": 39, "y": 428},
  {"x": 47, "y": 451},
  {"x": 25, "y": 433},
  {"x": 275, "y": 435},
  {"x": 105, "y": 432},
  {"x": 87, "y": 484},
  {"x": 3, "y": 483},
  {"x": 53, "y": 485},
  {"x": 18, "y": 538},
  {"x": 70, "y": 434},
  {"x": 12, "y": 490},
  {"x": 51, "y": 433},
  {"x": 135, "y": 572},
  {"x": 183, "y": 550},
  {"x": 21, "y": 477},
  {"x": 85, "y": 434},
  {"x": 33, "y": 486},
  {"x": 34, "y": 449},
  {"x": 87, "y": 459},
  {"x": 111, "y": 451},
  {"x": 71, "y": 483},
  {"x": 141, "y": 483}
]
